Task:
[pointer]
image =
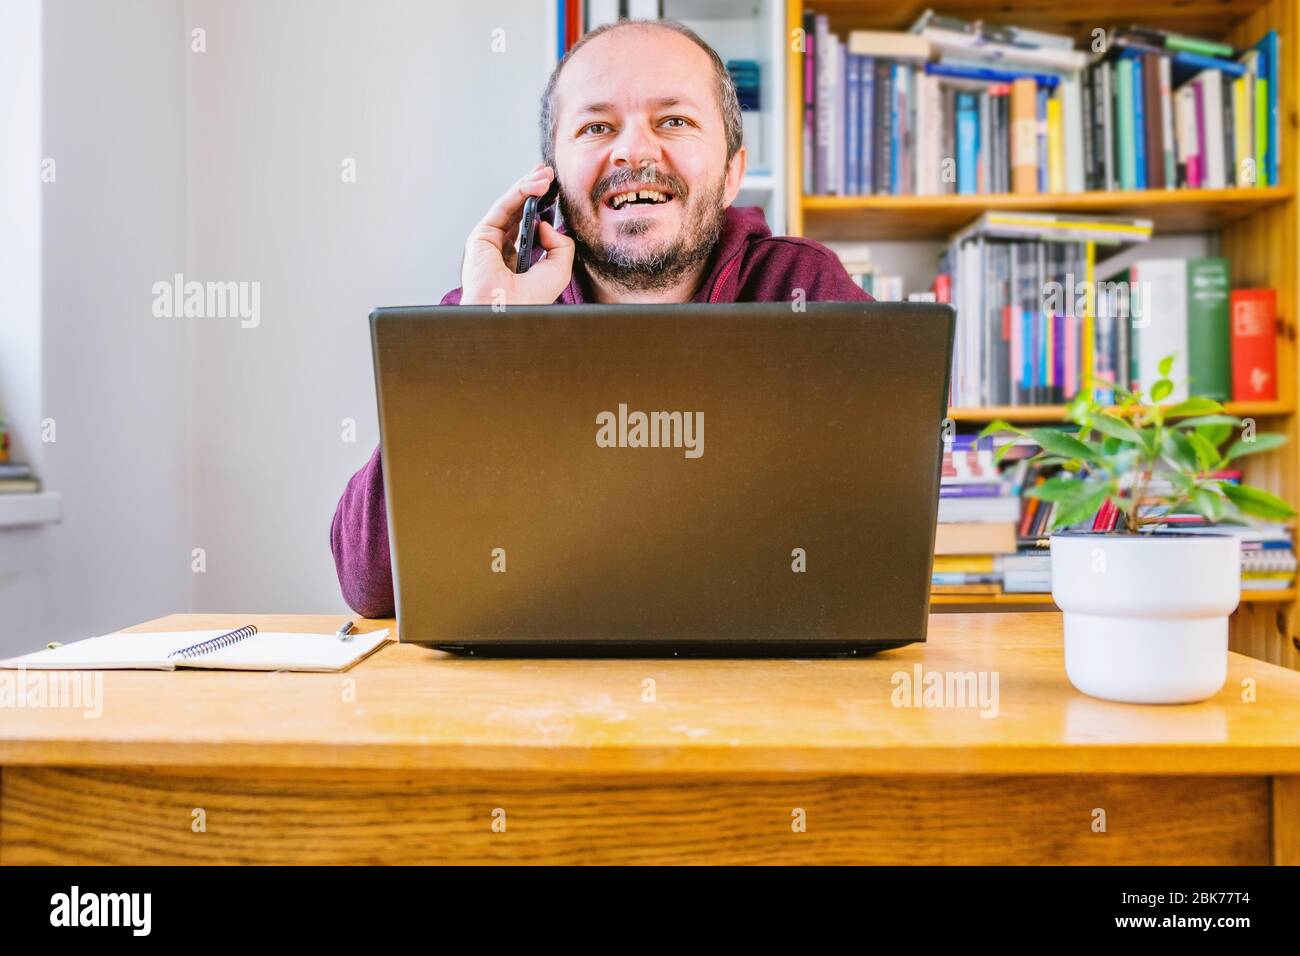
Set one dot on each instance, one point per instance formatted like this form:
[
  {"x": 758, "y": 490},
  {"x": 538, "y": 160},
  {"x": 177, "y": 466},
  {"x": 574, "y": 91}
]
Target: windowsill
[{"x": 21, "y": 510}]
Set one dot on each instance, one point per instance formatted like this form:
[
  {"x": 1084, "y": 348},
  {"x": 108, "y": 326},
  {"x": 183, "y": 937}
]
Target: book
[
  {"x": 1209, "y": 340},
  {"x": 975, "y": 538},
  {"x": 1159, "y": 310},
  {"x": 210, "y": 650},
  {"x": 889, "y": 44},
  {"x": 19, "y": 486},
  {"x": 1254, "y": 344}
]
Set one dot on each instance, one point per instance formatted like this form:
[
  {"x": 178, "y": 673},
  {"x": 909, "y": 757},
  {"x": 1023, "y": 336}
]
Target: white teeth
[{"x": 651, "y": 194}]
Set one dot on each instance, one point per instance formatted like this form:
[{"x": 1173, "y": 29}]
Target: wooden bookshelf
[
  {"x": 1257, "y": 229},
  {"x": 1045, "y": 600},
  {"x": 1027, "y": 414},
  {"x": 937, "y": 217}
]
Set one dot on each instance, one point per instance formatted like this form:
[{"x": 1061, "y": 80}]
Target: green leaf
[
  {"x": 1078, "y": 409},
  {"x": 1184, "y": 483},
  {"x": 1116, "y": 427},
  {"x": 1058, "y": 488},
  {"x": 1194, "y": 406},
  {"x": 1161, "y": 390},
  {"x": 1263, "y": 442},
  {"x": 1208, "y": 505},
  {"x": 1077, "y": 509},
  {"x": 1166, "y": 366},
  {"x": 1257, "y": 502},
  {"x": 1207, "y": 456},
  {"x": 1229, "y": 420},
  {"x": 1058, "y": 443},
  {"x": 996, "y": 426},
  {"x": 1216, "y": 435},
  {"x": 1178, "y": 451}
]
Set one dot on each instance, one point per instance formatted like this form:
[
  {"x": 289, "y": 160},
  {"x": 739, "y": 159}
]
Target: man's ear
[{"x": 735, "y": 173}]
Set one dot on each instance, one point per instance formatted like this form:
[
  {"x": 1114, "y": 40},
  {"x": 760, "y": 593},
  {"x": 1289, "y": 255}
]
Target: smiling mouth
[{"x": 637, "y": 197}]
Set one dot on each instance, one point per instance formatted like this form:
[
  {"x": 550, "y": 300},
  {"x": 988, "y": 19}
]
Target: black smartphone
[{"x": 536, "y": 208}]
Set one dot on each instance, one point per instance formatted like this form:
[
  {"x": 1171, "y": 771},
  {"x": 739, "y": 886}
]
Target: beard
[{"x": 626, "y": 263}]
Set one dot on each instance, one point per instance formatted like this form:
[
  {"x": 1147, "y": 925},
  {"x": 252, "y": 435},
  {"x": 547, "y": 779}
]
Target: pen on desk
[{"x": 345, "y": 632}]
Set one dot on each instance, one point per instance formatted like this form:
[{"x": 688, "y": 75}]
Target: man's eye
[
  {"x": 676, "y": 119},
  {"x": 597, "y": 128}
]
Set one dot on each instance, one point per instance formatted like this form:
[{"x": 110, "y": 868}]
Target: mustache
[{"x": 665, "y": 182}]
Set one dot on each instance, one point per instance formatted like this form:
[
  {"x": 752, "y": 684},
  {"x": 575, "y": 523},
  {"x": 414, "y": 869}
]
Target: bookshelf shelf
[
  {"x": 937, "y": 217},
  {"x": 1056, "y": 413},
  {"x": 1196, "y": 17},
  {"x": 1045, "y": 600}
]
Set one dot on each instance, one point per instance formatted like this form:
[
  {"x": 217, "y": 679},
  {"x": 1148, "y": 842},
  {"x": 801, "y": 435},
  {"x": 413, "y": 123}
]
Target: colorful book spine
[
  {"x": 1254, "y": 345},
  {"x": 1127, "y": 147},
  {"x": 1209, "y": 356}
]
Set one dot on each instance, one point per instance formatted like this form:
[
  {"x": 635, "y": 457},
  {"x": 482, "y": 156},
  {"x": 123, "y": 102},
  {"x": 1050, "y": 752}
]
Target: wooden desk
[{"x": 406, "y": 758}]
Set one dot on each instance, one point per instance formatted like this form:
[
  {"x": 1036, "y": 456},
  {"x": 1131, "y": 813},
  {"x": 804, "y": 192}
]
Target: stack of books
[
  {"x": 953, "y": 106},
  {"x": 1039, "y": 317},
  {"x": 1022, "y": 285},
  {"x": 17, "y": 479},
  {"x": 856, "y": 259},
  {"x": 979, "y": 505}
]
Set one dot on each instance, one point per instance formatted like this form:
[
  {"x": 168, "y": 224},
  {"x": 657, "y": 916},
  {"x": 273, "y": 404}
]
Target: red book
[
  {"x": 1254, "y": 345},
  {"x": 943, "y": 287}
]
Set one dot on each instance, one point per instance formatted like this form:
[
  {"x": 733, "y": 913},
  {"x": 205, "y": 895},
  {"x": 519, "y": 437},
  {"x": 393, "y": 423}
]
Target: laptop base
[{"x": 654, "y": 649}]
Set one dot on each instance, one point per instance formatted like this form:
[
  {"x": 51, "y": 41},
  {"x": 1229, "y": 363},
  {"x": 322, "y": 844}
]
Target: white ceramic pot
[{"x": 1146, "y": 617}]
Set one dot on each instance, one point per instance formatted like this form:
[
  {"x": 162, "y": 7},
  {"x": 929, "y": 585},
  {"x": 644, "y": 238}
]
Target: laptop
[{"x": 655, "y": 480}]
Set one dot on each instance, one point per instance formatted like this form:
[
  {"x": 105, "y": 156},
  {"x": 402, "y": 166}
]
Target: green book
[
  {"x": 1124, "y": 115},
  {"x": 1175, "y": 41},
  {"x": 1209, "y": 354},
  {"x": 1261, "y": 133}
]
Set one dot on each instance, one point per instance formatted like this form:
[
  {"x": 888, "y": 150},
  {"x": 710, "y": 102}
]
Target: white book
[
  {"x": 1108, "y": 125},
  {"x": 1072, "y": 130},
  {"x": 929, "y": 129},
  {"x": 169, "y": 650},
  {"x": 825, "y": 104},
  {"x": 1158, "y": 310},
  {"x": 1003, "y": 54},
  {"x": 841, "y": 178},
  {"x": 1211, "y": 87},
  {"x": 600, "y": 12}
]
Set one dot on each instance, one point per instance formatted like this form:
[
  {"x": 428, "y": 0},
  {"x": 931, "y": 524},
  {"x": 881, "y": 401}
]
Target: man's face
[{"x": 638, "y": 109}]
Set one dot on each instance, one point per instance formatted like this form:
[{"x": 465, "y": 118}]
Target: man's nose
[{"x": 636, "y": 146}]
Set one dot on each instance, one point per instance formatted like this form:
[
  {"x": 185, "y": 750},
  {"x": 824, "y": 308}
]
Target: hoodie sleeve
[
  {"x": 359, "y": 539},
  {"x": 778, "y": 268}
]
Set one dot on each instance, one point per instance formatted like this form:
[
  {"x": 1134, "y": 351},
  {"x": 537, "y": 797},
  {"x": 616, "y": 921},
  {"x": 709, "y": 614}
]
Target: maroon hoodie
[{"x": 748, "y": 264}]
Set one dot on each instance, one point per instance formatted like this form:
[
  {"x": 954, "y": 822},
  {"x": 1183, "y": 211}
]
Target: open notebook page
[{"x": 264, "y": 651}]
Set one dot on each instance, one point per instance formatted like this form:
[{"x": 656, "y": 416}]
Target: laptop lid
[{"x": 681, "y": 476}]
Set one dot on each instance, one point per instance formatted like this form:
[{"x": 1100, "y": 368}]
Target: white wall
[
  {"x": 438, "y": 125},
  {"x": 114, "y": 377},
  {"x": 24, "y": 552},
  {"x": 80, "y": 344},
  {"x": 173, "y": 433}
]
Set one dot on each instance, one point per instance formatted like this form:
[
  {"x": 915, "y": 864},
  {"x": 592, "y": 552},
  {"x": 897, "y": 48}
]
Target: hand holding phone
[
  {"x": 489, "y": 275},
  {"x": 537, "y": 209}
]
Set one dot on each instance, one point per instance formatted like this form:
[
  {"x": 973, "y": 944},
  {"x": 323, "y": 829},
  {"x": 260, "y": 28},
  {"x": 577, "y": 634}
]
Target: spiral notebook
[{"x": 245, "y": 649}]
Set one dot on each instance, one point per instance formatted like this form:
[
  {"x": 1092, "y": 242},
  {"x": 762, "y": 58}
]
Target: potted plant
[{"x": 1146, "y": 615}]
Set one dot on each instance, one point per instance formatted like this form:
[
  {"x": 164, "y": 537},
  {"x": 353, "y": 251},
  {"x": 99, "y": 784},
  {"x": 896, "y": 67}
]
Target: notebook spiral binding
[{"x": 215, "y": 643}]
